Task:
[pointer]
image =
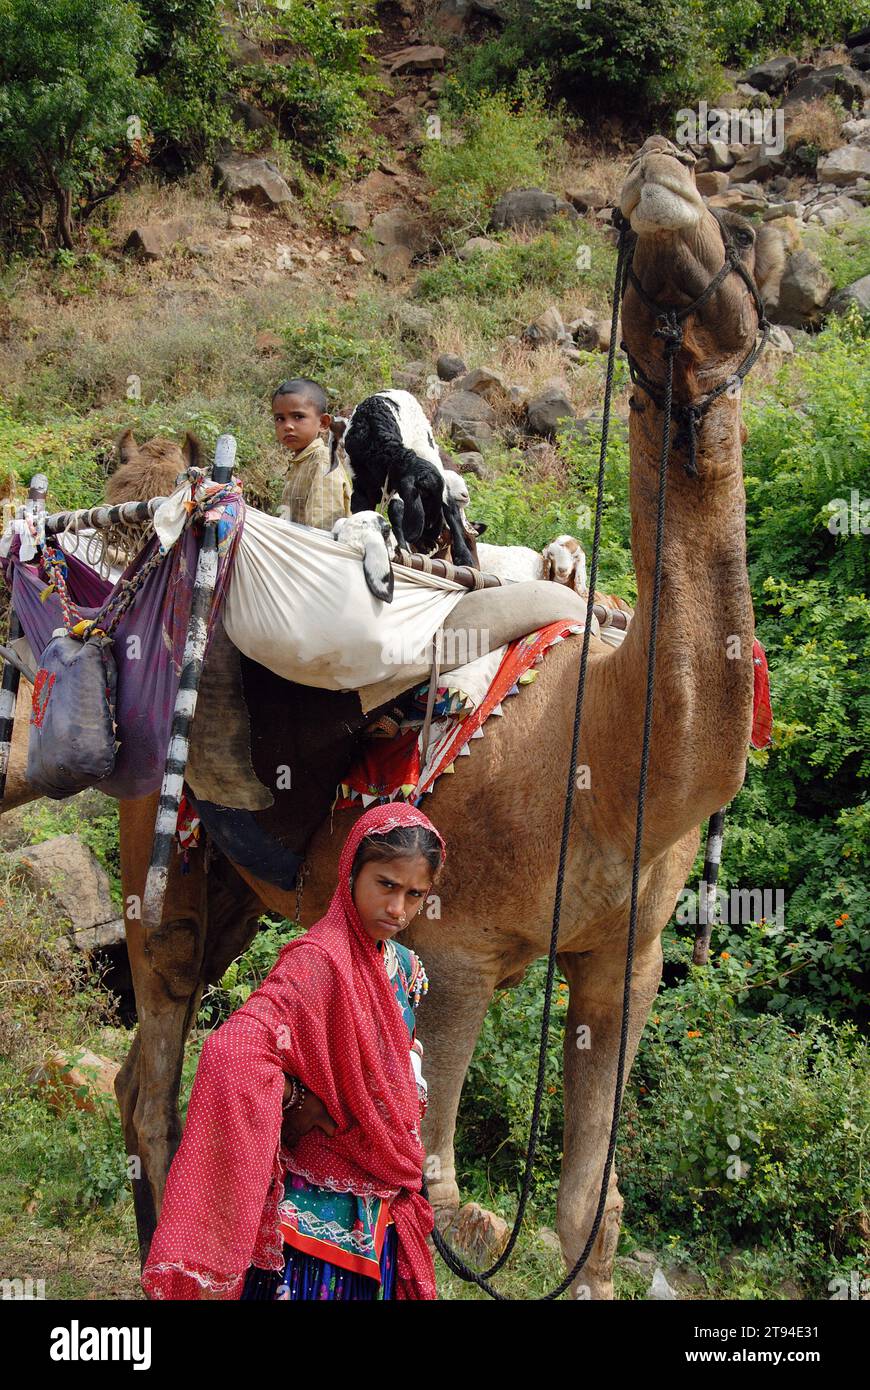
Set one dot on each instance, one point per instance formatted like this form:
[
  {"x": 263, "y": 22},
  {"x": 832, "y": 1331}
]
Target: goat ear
[
  {"x": 192, "y": 451},
  {"x": 128, "y": 449},
  {"x": 479, "y": 527},
  {"x": 548, "y": 564}
]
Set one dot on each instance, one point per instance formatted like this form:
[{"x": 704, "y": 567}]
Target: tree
[{"x": 70, "y": 101}]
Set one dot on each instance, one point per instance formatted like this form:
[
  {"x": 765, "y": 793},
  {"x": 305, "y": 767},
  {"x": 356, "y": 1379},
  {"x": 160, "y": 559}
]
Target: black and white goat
[{"x": 393, "y": 456}]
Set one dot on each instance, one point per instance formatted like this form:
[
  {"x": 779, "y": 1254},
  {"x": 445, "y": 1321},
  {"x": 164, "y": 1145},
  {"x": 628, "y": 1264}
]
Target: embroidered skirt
[{"x": 307, "y": 1277}]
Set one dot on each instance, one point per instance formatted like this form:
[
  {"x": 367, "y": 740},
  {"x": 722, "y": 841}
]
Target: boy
[{"x": 299, "y": 409}]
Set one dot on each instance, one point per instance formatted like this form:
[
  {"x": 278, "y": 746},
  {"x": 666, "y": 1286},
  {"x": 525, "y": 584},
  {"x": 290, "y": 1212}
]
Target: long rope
[{"x": 453, "y": 1261}]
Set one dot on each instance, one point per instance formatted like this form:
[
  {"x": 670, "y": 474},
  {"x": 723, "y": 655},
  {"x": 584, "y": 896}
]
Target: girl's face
[
  {"x": 297, "y": 421},
  {"x": 388, "y": 894}
]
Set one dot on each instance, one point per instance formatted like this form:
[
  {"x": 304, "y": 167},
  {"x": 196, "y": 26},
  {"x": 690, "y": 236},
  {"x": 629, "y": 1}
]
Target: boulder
[
  {"x": 467, "y": 417},
  {"x": 64, "y": 870},
  {"x": 240, "y": 49},
  {"x": 759, "y": 163},
  {"x": 844, "y": 165},
  {"x": 77, "y": 1077},
  {"x": 860, "y": 57},
  {"x": 529, "y": 207},
  {"x": 712, "y": 182},
  {"x": 392, "y": 263},
  {"x": 414, "y": 319},
  {"x": 250, "y": 116},
  {"x": 547, "y": 411},
  {"x": 421, "y": 57},
  {"x": 399, "y": 227},
  {"x": 776, "y": 210},
  {"x": 411, "y": 377},
  {"x": 237, "y": 222},
  {"x": 660, "y": 1290},
  {"x": 548, "y": 327},
  {"x": 773, "y": 75},
  {"x": 354, "y": 256},
  {"x": 452, "y": 15},
  {"x": 584, "y": 199},
  {"x": 840, "y": 79},
  {"x": 152, "y": 240},
  {"x": 475, "y": 245},
  {"x": 470, "y": 462},
  {"x": 590, "y": 331},
  {"x": 449, "y": 366},
  {"x": 719, "y": 155},
  {"x": 256, "y": 180},
  {"x": 735, "y": 200},
  {"x": 351, "y": 215},
  {"x": 779, "y": 340},
  {"x": 856, "y": 293},
  {"x": 804, "y": 291},
  {"x": 484, "y": 381}
]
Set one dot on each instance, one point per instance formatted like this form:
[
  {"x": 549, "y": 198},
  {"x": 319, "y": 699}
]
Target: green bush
[
  {"x": 547, "y": 262},
  {"x": 741, "y": 30},
  {"x": 319, "y": 96},
  {"x": 68, "y": 85},
  {"x": 342, "y": 350},
  {"x": 652, "y": 53},
  {"x": 503, "y": 142},
  {"x": 184, "y": 56}
]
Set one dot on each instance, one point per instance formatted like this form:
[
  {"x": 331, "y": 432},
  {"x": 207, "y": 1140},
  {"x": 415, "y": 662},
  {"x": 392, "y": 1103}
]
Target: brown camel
[{"x": 501, "y": 812}]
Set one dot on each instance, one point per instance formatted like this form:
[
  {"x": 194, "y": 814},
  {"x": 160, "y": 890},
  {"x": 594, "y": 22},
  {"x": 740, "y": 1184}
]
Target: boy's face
[{"x": 297, "y": 421}]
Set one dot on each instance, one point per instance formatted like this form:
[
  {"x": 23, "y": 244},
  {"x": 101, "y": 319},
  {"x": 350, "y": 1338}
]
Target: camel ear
[
  {"x": 192, "y": 451},
  {"x": 128, "y": 449}
]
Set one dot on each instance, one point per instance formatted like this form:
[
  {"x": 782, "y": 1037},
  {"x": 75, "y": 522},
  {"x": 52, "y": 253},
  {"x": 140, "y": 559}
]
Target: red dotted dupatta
[{"x": 327, "y": 1014}]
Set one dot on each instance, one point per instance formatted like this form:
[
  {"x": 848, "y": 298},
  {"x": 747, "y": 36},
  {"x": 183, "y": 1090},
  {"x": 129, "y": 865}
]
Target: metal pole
[
  {"x": 185, "y": 702},
  {"x": 707, "y": 887},
  {"x": 34, "y": 510}
]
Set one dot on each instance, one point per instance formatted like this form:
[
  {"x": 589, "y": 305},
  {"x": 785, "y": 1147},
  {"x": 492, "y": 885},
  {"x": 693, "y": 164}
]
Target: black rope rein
[{"x": 670, "y": 331}]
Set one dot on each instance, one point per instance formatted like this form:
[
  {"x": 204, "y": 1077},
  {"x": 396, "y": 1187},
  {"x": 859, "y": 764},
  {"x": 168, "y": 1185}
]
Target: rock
[
  {"x": 470, "y": 462},
  {"x": 860, "y": 57},
  {"x": 103, "y": 938},
  {"x": 590, "y": 332},
  {"x": 152, "y": 240},
  {"x": 776, "y": 210},
  {"x": 476, "y": 245},
  {"x": 773, "y": 75},
  {"x": 844, "y": 165},
  {"x": 79, "y": 1077},
  {"x": 410, "y": 377},
  {"x": 350, "y": 214},
  {"x": 254, "y": 179},
  {"x": 529, "y": 207},
  {"x": 240, "y": 49},
  {"x": 836, "y": 210},
  {"x": 804, "y": 291},
  {"x": 684, "y": 1278},
  {"x": 398, "y": 227},
  {"x": 452, "y": 15},
  {"x": 203, "y": 250},
  {"x": 547, "y": 411},
  {"x": 426, "y": 57},
  {"x": 719, "y": 155},
  {"x": 66, "y": 871},
  {"x": 239, "y": 241},
  {"x": 250, "y": 116},
  {"x": 549, "y": 327},
  {"x": 841, "y": 79},
  {"x": 779, "y": 340},
  {"x": 467, "y": 417},
  {"x": 449, "y": 366},
  {"x": 549, "y": 1240},
  {"x": 713, "y": 182},
  {"x": 237, "y": 222},
  {"x": 353, "y": 256},
  {"x": 736, "y": 201},
  {"x": 660, "y": 1290},
  {"x": 584, "y": 199},
  {"x": 855, "y": 128},
  {"x": 392, "y": 263},
  {"x": 645, "y": 1257},
  {"x": 856, "y": 293},
  {"x": 480, "y": 1234},
  {"x": 758, "y": 164},
  {"x": 413, "y": 318},
  {"x": 267, "y": 341},
  {"x": 484, "y": 382}
]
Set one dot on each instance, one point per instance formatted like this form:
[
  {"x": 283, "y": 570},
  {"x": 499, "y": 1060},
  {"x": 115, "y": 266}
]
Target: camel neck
[{"x": 703, "y": 681}]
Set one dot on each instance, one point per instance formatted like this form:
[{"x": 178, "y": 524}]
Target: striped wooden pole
[
  {"x": 34, "y": 510},
  {"x": 707, "y": 887},
  {"x": 185, "y": 702}
]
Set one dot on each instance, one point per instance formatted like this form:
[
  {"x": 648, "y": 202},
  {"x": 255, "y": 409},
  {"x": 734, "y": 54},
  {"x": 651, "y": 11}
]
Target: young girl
[{"x": 329, "y": 1206}]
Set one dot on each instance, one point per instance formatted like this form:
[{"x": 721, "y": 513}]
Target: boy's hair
[{"x": 310, "y": 391}]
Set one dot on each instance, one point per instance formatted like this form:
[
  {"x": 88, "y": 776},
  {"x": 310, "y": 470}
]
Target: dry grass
[{"x": 813, "y": 123}]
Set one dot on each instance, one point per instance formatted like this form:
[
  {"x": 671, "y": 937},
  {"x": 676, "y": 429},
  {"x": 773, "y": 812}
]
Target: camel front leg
[
  {"x": 448, "y": 1023},
  {"x": 591, "y": 1052}
]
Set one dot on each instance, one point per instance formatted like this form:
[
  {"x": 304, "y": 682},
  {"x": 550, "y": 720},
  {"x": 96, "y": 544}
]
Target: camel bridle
[
  {"x": 670, "y": 329},
  {"x": 670, "y": 320}
]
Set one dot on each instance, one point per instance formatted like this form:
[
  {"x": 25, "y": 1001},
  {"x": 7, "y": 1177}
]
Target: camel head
[
  {"x": 678, "y": 251},
  {"x": 152, "y": 469}
]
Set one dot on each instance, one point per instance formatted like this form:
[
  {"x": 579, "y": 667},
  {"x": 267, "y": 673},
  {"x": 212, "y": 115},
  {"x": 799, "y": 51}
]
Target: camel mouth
[{"x": 659, "y": 196}]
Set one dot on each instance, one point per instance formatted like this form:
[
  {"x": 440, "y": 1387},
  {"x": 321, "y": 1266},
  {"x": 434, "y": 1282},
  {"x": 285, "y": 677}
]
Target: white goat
[
  {"x": 562, "y": 560},
  {"x": 369, "y": 534}
]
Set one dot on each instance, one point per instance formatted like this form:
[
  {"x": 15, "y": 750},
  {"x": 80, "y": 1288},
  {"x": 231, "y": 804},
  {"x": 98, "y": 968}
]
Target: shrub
[
  {"x": 743, "y": 29},
  {"x": 319, "y": 96},
  {"x": 503, "y": 143},
  {"x": 341, "y": 350},
  {"x": 67, "y": 87},
  {"x": 185, "y": 57}
]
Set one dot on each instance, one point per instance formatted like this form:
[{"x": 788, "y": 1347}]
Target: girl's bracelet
[{"x": 296, "y": 1098}]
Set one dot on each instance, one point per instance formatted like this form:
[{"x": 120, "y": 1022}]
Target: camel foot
[{"x": 476, "y": 1234}]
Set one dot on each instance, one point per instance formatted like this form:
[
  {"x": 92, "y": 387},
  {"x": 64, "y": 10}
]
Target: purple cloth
[{"x": 148, "y": 642}]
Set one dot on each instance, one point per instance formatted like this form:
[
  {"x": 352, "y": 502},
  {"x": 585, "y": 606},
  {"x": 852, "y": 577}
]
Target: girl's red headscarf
[{"x": 326, "y": 1013}]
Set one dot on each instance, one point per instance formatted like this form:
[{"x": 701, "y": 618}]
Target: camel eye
[{"x": 744, "y": 238}]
